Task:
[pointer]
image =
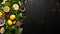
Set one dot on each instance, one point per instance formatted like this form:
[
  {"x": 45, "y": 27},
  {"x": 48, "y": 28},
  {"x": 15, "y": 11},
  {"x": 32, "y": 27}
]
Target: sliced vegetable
[
  {"x": 15, "y": 6},
  {"x": 14, "y": 22},
  {"x": 22, "y": 9},
  {"x": 6, "y": 9},
  {"x": 18, "y": 23},
  {"x": 2, "y": 30}
]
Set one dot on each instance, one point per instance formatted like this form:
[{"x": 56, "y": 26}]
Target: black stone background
[{"x": 41, "y": 18}]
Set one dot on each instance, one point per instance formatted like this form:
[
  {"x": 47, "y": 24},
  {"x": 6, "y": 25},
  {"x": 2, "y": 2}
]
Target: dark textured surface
[{"x": 43, "y": 17}]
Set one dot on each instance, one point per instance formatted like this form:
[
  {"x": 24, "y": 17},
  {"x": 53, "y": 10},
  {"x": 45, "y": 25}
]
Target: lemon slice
[
  {"x": 6, "y": 9},
  {"x": 15, "y": 6}
]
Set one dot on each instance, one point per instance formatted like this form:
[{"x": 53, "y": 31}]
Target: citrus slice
[
  {"x": 15, "y": 6},
  {"x": 6, "y": 9}
]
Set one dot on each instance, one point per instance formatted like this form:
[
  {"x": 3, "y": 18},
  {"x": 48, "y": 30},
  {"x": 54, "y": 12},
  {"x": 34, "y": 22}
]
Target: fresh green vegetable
[{"x": 14, "y": 29}]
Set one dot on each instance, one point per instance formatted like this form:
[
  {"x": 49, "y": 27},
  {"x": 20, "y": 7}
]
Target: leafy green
[{"x": 19, "y": 15}]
